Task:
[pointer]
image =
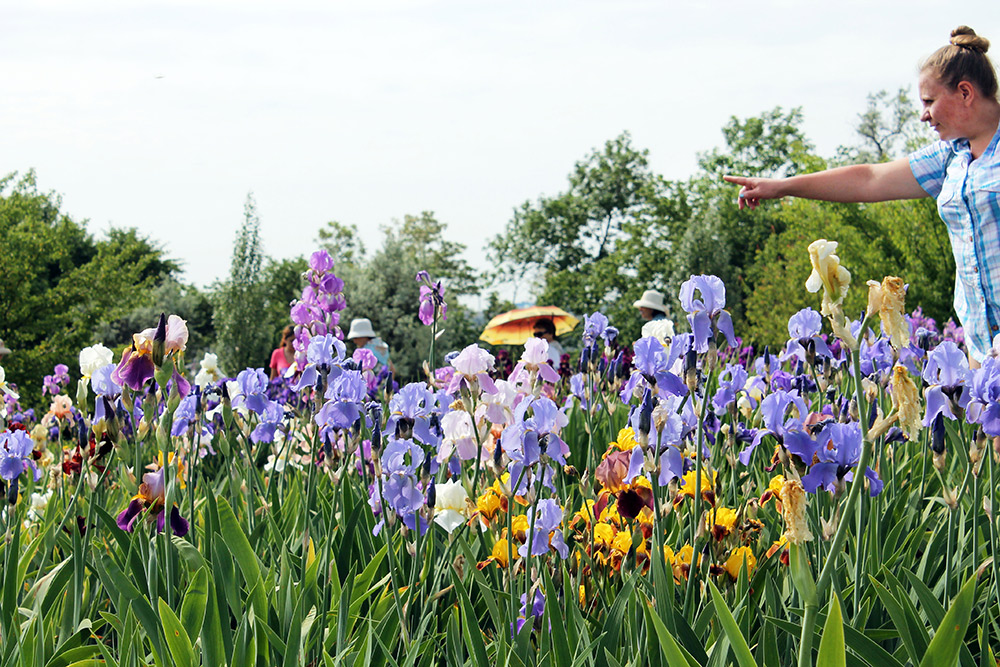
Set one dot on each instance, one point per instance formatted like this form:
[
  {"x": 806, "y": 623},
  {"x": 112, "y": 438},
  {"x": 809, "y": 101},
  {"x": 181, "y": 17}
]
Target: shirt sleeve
[
  {"x": 929, "y": 165},
  {"x": 274, "y": 358}
]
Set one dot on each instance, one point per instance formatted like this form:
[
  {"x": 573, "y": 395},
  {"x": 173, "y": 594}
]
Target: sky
[{"x": 164, "y": 116}]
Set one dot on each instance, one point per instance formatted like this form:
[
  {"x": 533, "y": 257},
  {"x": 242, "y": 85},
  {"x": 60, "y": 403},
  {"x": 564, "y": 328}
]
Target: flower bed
[{"x": 681, "y": 502}]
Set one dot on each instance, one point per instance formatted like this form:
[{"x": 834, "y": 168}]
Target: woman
[
  {"x": 958, "y": 90},
  {"x": 284, "y": 355}
]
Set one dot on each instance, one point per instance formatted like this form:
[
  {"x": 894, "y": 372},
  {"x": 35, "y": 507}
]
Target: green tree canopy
[{"x": 59, "y": 284}]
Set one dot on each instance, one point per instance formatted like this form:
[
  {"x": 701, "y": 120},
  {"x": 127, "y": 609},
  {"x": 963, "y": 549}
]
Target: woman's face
[{"x": 945, "y": 110}]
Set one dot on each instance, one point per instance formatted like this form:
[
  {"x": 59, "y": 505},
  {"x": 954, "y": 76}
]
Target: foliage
[
  {"x": 59, "y": 284},
  {"x": 601, "y": 243},
  {"x": 239, "y": 301},
  {"x": 383, "y": 288}
]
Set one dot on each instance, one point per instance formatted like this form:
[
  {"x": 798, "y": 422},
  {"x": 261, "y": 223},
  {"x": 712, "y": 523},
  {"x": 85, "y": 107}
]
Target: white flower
[
  {"x": 450, "y": 505},
  {"x": 4, "y": 387},
  {"x": 93, "y": 358},
  {"x": 209, "y": 372},
  {"x": 661, "y": 329}
]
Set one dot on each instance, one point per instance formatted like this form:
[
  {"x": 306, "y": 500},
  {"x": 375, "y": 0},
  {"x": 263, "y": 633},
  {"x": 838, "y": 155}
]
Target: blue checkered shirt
[{"x": 968, "y": 198}]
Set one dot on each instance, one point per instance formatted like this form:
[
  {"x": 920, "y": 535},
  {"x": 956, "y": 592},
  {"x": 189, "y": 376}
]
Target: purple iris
[
  {"x": 947, "y": 371},
  {"x": 252, "y": 384},
  {"x": 270, "y": 420},
  {"x": 984, "y": 404},
  {"x": 528, "y": 438},
  {"x": 706, "y": 310},
  {"x": 790, "y": 432},
  {"x": 546, "y": 520},
  {"x": 15, "y": 455},
  {"x": 183, "y": 415},
  {"x": 596, "y": 326},
  {"x": 803, "y": 332},
  {"x": 102, "y": 384},
  {"x": 431, "y": 299},
  {"x": 839, "y": 453},
  {"x": 411, "y": 410},
  {"x": 876, "y": 357},
  {"x": 731, "y": 382},
  {"x": 653, "y": 363},
  {"x": 135, "y": 368},
  {"x": 347, "y": 393}
]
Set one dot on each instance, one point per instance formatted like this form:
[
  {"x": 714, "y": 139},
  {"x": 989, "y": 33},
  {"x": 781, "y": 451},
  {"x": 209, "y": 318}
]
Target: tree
[
  {"x": 58, "y": 284},
  {"x": 342, "y": 242},
  {"x": 383, "y": 289},
  {"x": 242, "y": 340},
  {"x": 601, "y": 243}
]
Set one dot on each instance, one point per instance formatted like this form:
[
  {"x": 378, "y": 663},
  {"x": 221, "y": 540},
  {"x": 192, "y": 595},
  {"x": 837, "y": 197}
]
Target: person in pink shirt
[{"x": 284, "y": 355}]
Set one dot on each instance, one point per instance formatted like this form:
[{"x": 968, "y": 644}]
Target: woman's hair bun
[{"x": 965, "y": 37}]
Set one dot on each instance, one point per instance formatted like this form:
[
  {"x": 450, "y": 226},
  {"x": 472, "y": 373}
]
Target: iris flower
[
  {"x": 839, "y": 453},
  {"x": 151, "y": 499},
  {"x": 15, "y": 455},
  {"x": 707, "y": 311}
]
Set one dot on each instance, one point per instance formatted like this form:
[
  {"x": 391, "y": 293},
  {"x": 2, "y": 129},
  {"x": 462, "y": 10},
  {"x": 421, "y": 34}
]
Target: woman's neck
[{"x": 987, "y": 129}]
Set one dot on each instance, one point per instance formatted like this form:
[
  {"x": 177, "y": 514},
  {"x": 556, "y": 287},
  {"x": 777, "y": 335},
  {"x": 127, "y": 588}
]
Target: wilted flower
[
  {"x": 888, "y": 300},
  {"x": 906, "y": 401},
  {"x": 793, "y": 509}
]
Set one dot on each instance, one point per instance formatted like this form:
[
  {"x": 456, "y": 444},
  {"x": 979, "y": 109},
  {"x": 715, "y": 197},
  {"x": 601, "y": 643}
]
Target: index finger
[{"x": 738, "y": 180}]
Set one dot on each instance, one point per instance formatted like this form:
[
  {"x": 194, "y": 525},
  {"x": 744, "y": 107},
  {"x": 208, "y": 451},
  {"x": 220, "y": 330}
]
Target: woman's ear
[{"x": 967, "y": 90}]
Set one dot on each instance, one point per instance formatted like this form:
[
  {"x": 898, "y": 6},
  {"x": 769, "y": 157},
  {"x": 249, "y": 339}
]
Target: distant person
[
  {"x": 546, "y": 329},
  {"x": 958, "y": 90},
  {"x": 364, "y": 338},
  {"x": 651, "y": 306},
  {"x": 652, "y": 309},
  {"x": 284, "y": 356}
]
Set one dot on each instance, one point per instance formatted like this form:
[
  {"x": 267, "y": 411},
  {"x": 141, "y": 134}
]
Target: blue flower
[
  {"x": 15, "y": 455},
  {"x": 839, "y": 453},
  {"x": 702, "y": 313}
]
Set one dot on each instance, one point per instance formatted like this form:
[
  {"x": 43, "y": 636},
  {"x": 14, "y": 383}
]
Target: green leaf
[
  {"x": 732, "y": 630},
  {"x": 178, "y": 641},
  {"x": 669, "y": 647},
  {"x": 832, "y": 652},
  {"x": 950, "y": 635},
  {"x": 473, "y": 635},
  {"x": 560, "y": 643},
  {"x": 236, "y": 539},
  {"x": 914, "y": 637},
  {"x": 194, "y": 604}
]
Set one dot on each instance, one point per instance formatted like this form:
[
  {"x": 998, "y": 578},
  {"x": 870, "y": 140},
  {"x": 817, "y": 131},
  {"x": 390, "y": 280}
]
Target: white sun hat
[
  {"x": 361, "y": 328},
  {"x": 651, "y": 299}
]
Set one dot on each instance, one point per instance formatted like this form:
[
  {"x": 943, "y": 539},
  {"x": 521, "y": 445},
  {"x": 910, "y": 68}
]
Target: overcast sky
[{"x": 163, "y": 116}]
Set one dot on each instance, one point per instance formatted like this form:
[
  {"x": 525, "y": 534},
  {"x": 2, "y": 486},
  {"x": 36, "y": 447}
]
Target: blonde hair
[{"x": 964, "y": 59}]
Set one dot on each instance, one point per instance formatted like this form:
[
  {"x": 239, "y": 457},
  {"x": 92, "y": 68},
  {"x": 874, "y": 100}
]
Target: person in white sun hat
[
  {"x": 363, "y": 337},
  {"x": 652, "y": 310}
]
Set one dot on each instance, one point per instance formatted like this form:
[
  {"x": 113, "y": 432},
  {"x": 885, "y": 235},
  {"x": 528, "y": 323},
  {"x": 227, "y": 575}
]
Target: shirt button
[
  {"x": 993, "y": 327},
  {"x": 975, "y": 269}
]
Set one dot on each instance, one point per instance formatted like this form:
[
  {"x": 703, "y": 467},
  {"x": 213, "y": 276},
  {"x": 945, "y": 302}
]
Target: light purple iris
[
  {"x": 788, "y": 431},
  {"x": 252, "y": 383},
  {"x": 15, "y": 455},
  {"x": 653, "y": 363},
  {"x": 804, "y": 326},
  {"x": 431, "y": 299},
  {"x": 102, "y": 384},
  {"x": 947, "y": 371},
  {"x": 414, "y": 405},
  {"x": 731, "y": 382},
  {"x": 270, "y": 420},
  {"x": 706, "y": 310},
  {"x": 596, "y": 326},
  {"x": 984, "y": 404},
  {"x": 839, "y": 453},
  {"x": 546, "y": 523},
  {"x": 321, "y": 261}
]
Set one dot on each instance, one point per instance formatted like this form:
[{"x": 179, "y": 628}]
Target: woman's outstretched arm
[{"x": 854, "y": 183}]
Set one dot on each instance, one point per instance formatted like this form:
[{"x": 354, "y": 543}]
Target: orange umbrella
[{"x": 516, "y": 326}]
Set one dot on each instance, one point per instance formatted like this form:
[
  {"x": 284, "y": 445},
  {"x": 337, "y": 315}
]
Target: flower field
[{"x": 672, "y": 501}]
